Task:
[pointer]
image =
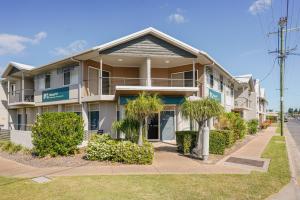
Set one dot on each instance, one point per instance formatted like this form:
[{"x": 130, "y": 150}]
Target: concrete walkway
[{"x": 166, "y": 161}]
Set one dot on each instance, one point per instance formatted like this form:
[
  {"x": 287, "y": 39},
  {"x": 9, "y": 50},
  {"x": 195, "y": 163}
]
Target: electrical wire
[{"x": 271, "y": 70}]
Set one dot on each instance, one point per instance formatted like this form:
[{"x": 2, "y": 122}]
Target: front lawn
[{"x": 257, "y": 185}]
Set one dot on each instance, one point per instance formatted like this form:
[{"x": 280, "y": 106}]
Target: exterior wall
[
  {"x": 21, "y": 137},
  {"x": 3, "y": 106},
  {"x": 227, "y": 100},
  {"x": 148, "y": 45},
  {"x": 108, "y": 114}
]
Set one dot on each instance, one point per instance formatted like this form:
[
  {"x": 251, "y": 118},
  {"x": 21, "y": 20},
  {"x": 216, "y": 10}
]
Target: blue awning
[{"x": 177, "y": 100}]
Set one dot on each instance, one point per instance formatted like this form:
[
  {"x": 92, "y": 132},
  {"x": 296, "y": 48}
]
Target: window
[
  {"x": 47, "y": 80},
  {"x": 67, "y": 77},
  {"x": 221, "y": 84},
  {"x": 232, "y": 90},
  {"x": 211, "y": 80},
  {"x": 93, "y": 116},
  {"x": 13, "y": 89},
  {"x": 184, "y": 79}
]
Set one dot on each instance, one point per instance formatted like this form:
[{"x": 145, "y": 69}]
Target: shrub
[
  {"x": 57, "y": 133},
  {"x": 10, "y": 147},
  {"x": 103, "y": 147},
  {"x": 252, "y": 126},
  {"x": 266, "y": 124},
  {"x": 217, "y": 142},
  {"x": 129, "y": 127},
  {"x": 233, "y": 121},
  {"x": 186, "y": 141},
  {"x": 229, "y": 137}
]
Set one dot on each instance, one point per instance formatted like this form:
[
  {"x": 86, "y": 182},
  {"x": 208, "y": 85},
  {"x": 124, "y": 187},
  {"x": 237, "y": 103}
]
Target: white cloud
[
  {"x": 12, "y": 44},
  {"x": 260, "y": 6},
  {"x": 72, "y": 48},
  {"x": 177, "y": 17}
]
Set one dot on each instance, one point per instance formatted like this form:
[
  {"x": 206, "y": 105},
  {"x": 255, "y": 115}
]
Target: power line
[{"x": 270, "y": 72}]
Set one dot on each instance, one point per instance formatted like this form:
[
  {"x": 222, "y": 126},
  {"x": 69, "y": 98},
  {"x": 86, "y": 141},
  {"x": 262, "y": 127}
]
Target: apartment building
[
  {"x": 98, "y": 83},
  {"x": 261, "y": 102}
]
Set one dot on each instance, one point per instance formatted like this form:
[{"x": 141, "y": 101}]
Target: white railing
[
  {"x": 242, "y": 102},
  {"x": 109, "y": 83},
  {"x": 26, "y": 95}
]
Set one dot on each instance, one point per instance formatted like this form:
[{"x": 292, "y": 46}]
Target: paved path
[{"x": 166, "y": 161}]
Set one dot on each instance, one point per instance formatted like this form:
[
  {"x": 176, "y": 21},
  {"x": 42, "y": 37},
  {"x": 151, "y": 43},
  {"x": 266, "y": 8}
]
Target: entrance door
[
  {"x": 19, "y": 122},
  {"x": 153, "y": 133},
  {"x": 94, "y": 120},
  {"x": 167, "y": 129}
]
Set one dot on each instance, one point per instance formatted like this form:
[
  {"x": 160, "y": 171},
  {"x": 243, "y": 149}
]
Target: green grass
[{"x": 257, "y": 185}]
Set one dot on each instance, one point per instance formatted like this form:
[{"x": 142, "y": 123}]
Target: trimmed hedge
[
  {"x": 230, "y": 137},
  {"x": 186, "y": 141},
  {"x": 103, "y": 147},
  {"x": 218, "y": 141},
  {"x": 57, "y": 133}
]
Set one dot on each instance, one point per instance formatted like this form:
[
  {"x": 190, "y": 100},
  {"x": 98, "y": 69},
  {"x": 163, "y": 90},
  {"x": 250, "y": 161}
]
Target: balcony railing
[
  {"x": 109, "y": 83},
  {"x": 17, "y": 96},
  {"x": 242, "y": 103}
]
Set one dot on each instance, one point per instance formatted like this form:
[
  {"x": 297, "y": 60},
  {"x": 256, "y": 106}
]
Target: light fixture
[
  {"x": 167, "y": 61},
  {"x": 120, "y": 59}
]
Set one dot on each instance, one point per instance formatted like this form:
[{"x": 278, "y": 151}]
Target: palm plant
[
  {"x": 200, "y": 110},
  {"x": 127, "y": 126},
  {"x": 141, "y": 108}
]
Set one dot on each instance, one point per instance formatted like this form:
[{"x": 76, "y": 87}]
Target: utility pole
[
  {"x": 282, "y": 53},
  {"x": 282, "y": 24}
]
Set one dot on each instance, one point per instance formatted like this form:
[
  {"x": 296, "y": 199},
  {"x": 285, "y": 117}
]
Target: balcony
[
  {"x": 242, "y": 103},
  {"x": 112, "y": 86},
  {"x": 21, "y": 97}
]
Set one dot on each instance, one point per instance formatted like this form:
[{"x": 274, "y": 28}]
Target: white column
[
  {"x": 194, "y": 73},
  {"x": 39, "y": 110},
  {"x": 23, "y": 123},
  {"x": 22, "y": 87},
  {"x": 100, "y": 75},
  {"x": 148, "y": 65},
  {"x": 60, "y": 108},
  {"x": 8, "y": 90},
  {"x": 85, "y": 116},
  {"x": 80, "y": 80}
]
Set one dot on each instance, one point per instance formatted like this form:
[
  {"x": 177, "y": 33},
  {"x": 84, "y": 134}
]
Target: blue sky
[{"x": 232, "y": 31}]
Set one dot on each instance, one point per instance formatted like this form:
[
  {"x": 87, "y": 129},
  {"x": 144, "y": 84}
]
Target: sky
[{"x": 233, "y": 32}]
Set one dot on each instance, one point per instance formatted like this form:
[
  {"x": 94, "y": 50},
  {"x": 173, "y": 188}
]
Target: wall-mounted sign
[
  {"x": 56, "y": 94},
  {"x": 215, "y": 95}
]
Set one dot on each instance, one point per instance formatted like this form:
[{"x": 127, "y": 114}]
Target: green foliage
[
  {"x": 230, "y": 137},
  {"x": 103, "y": 147},
  {"x": 233, "y": 121},
  {"x": 10, "y": 147},
  {"x": 201, "y": 110},
  {"x": 57, "y": 133},
  {"x": 129, "y": 127},
  {"x": 186, "y": 141},
  {"x": 252, "y": 126},
  {"x": 141, "y": 108},
  {"x": 217, "y": 142}
]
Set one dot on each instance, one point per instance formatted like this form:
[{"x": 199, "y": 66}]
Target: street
[{"x": 294, "y": 128}]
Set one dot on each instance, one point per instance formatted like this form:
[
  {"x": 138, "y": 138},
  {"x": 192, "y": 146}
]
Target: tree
[
  {"x": 141, "y": 108},
  {"x": 200, "y": 110},
  {"x": 290, "y": 111}
]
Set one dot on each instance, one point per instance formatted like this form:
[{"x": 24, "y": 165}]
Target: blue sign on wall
[
  {"x": 214, "y": 95},
  {"x": 55, "y": 94},
  {"x": 165, "y": 99}
]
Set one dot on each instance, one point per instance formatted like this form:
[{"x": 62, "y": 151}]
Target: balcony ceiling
[{"x": 156, "y": 62}]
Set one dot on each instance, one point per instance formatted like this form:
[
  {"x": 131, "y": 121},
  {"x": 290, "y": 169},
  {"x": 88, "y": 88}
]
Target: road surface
[{"x": 294, "y": 129}]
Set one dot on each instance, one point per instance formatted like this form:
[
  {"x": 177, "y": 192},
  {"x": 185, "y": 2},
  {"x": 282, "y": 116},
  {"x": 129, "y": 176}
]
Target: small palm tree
[
  {"x": 200, "y": 110},
  {"x": 141, "y": 108}
]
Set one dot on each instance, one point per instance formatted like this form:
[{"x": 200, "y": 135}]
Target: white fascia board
[{"x": 154, "y": 88}]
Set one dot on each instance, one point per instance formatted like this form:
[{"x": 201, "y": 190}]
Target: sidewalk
[
  {"x": 292, "y": 190},
  {"x": 165, "y": 162}
]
